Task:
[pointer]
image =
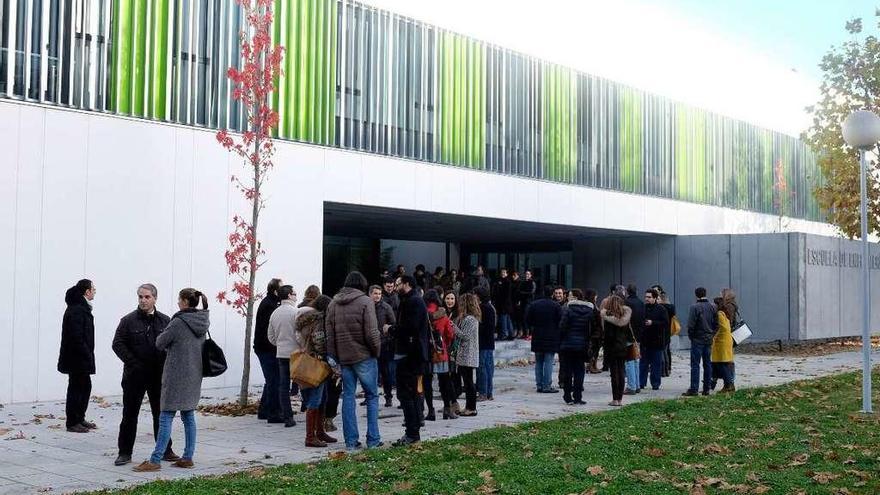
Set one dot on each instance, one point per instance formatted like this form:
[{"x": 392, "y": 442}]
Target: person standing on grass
[
  {"x": 412, "y": 353},
  {"x": 312, "y": 339},
  {"x": 182, "y": 342},
  {"x": 722, "y": 342},
  {"x": 385, "y": 319},
  {"x": 135, "y": 344},
  {"x": 702, "y": 325},
  {"x": 618, "y": 337},
  {"x": 354, "y": 342},
  {"x": 468, "y": 356},
  {"x": 486, "y": 372},
  {"x": 543, "y": 316},
  {"x": 76, "y": 358},
  {"x": 653, "y": 340},
  {"x": 282, "y": 334},
  {"x": 638, "y": 326},
  {"x": 267, "y": 353},
  {"x": 576, "y": 327}
]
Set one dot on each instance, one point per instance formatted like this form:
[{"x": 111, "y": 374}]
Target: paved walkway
[{"x": 37, "y": 455}]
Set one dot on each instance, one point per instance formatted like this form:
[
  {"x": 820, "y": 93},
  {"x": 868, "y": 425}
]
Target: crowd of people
[{"x": 398, "y": 335}]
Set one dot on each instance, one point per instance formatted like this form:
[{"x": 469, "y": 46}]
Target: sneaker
[
  {"x": 183, "y": 463},
  {"x": 170, "y": 456},
  {"x": 289, "y": 423},
  {"x": 122, "y": 460},
  {"x": 689, "y": 393},
  {"x": 275, "y": 421},
  {"x": 630, "y": 391},
  {"x": 89, "y": 425},
  {"x": 705, "y": 392},
  {"x": 77, "y": 429},
  {"x": 482, "y": 398},
  {"x": 404, "y": 441},
  {"x": 467, "y": 413},
  {"x": 551, "y": 390},
  {"x": 146, "y": 467},
  {"x": 579, "y": 402}
]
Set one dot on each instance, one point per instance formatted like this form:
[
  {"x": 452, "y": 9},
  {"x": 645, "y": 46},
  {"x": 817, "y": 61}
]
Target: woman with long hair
[
  {"x": 312, "y": 338},
  {"x": 182, "y": 342},
  {"x": 468, "y": 356},
  {"x": 618, "y": 334},
  {"x": 722, "y": 342},
  {"x": 442, "y": 335},
  {"x": 450, "y": 304}
]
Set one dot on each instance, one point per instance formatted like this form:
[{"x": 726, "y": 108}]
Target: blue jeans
[
  {"x": 544, "y": 370},
  {"x": 486, "y": 372},
  {"x": 366, "y": 372},
  {"x": 312, "y": 396},
  {"x": 632, "y": 374},
  {"x": 164, "y": 436},
  {"x": 270, "y": 407},
  {"x": 653, "y": 359},
  {"x": 506, "y": 326},
  {"x": 701, "y": 352}
]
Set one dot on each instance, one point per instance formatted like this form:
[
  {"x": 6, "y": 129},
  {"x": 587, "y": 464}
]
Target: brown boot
[
  {"x": 311, "y": 429},
  {"x": 319, "y": 430}
]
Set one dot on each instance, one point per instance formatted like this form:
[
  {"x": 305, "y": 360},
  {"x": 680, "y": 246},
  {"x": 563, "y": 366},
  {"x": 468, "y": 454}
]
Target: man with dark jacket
[
  {"x": 526, "y": 294},
  {"x": 389, "y": 295},
  {"x": 354, "y": 342},
  {"x": 502, "y": 299},
  {"x": 412, "y": 354},
  {"x": 637, "y": 323},
  {"x": 76, "y": 357},
  {"x": 701, "y": 326},
  {"x": 270, "y": 402},
  {"x": 385, "y": 319},
  {"x": 543, "y": 317},
  {"x": 576, "y": 325},
  {"x": 653, "y": 340},
  {"x": 135, "y": 344},
  {"x": 486, "y": 371}
]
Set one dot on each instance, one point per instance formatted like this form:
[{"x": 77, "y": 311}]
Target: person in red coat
[{"x": 442, "y": 336}]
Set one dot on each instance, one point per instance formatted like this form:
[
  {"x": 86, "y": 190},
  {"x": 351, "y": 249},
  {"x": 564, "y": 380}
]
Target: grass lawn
[{"x": 798, "y": 438}]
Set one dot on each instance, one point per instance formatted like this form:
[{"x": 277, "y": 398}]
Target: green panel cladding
[
  {"x": 559, "y": 111},
  {"x": 461, "y": 109}
]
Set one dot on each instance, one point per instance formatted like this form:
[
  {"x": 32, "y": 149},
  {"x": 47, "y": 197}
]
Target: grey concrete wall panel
[
  {"x": 647, "y": 261},
  {"x": 764, "y": 293},
  {"x": 700, "y": 261},
  {"x": 596, "y": 263},
  {"x": 822, "y": 287},
  {"x": 796, "y": 282}
]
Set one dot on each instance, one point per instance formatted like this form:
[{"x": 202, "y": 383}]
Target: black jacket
[
  {"x": 502, "y": 297},
  {"x": 702, "y": 322},
  {"x": 543, "y": 317},
  {"x": 527, "y": 290},
  {"x": 638, "y": 316},
  {"x": 487, "y": 326},
  {"x": 261, "y": 325},
  {"x": 135, "y": 343},
  {"x": 655, "y": 335},
  {"x": 393, "y": 300},
  {"x": 412, "y": 333},
  {"x": 385, "y": 316},
  {"x": 576, "y": 326},
  {"x": 77, "y": 353}
]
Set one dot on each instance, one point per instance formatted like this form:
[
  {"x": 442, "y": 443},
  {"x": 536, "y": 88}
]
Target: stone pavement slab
[{"x": 37, "y": 455}]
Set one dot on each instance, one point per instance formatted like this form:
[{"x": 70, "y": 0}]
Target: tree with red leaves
[{"x": 252, "y": 86}]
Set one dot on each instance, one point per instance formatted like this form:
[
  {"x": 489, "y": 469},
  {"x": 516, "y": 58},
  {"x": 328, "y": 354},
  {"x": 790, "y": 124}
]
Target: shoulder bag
[
  {"x": 306, "y": 370},
  {"x": 675, "y": 326},
  {"x": 213, "y": 359},
  {"x": 632, "y": 350}
]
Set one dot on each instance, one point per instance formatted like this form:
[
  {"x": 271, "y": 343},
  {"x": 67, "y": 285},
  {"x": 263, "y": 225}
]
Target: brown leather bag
[{"x": 633, "y": 351}]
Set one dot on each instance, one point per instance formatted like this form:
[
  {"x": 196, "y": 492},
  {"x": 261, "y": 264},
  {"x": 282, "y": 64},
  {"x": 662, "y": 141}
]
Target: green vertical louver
[
  {"x": 462, "y": 95},
  {"x": 137, "y": 78},
  {"x": 630, "y": 132},
  {"x": 559, "y": 109}
]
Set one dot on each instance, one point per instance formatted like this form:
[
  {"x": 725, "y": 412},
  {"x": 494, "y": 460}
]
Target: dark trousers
[
  {"x": 571, "y": 373},
  {"x": 330, "y": 402},
  {"x": 447, "y": 392},
  {"x": 284, "y": 388},
  {"x": 386, "y": 375},
  {"x": 470, "y": 390},
  {"x": 428, "y": 389},
  {"x": 652, "y": 359},
  {"x": 667, "y": 360},
  {"x": 79, "y": 388},
  {"x": 270, "y": 405},
  {"x": 701, "y": 355},
  {"x": 407, "y": 393},
  {"x": 595, "y": 347},
  {"x": 617, "y": 366},
  {"x": 133, "y": 390}
]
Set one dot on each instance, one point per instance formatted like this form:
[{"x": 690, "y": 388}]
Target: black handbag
[{"x": 213, "y": 359}]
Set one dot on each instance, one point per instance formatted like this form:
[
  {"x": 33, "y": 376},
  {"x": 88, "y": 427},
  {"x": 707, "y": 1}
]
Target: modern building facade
[{"x": 390, "y": 130}]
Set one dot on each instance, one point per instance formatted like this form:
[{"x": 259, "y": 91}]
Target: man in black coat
[
  {"x": 486, "y": 371},
  {"x": 526, "y": 294},
  {"x": 502, "y": 299},
  {"x": 76, "y": 358},
  {"x": 653, "y": 340},
  {"x": 412, "y": 354},
  {"x": 543, "y": 317},
  {"x": 270, "y": 401},
  {"x": 135, "y": 344},
  {"x": 637, "y": 322}
]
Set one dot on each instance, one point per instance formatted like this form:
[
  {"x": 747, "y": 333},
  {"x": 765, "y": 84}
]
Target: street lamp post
[{"x": 861, "y": 130}]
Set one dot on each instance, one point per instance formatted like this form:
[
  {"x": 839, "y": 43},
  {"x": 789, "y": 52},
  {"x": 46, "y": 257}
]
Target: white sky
[{"x": 639, "y": 44}]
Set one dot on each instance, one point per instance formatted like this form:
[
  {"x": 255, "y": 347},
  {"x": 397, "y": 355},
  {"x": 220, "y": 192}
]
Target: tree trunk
[{"x": 252, "y": 279}]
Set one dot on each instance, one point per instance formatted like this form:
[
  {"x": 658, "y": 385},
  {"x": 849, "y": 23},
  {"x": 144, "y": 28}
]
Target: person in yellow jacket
[{"x": 722, "y": 343}]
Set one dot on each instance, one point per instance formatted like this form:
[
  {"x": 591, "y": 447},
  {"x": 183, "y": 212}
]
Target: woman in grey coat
[
  {"x": 468, "y": 356},
  {"x": 182, "y": 342}
]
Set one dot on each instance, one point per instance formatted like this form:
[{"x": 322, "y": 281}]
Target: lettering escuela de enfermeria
[{"x": 841, "y": 259}]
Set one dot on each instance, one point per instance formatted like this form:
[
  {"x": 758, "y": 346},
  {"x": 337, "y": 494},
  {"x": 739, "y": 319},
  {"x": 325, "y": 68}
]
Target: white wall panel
[
  {"x": 28, "y": 212},
  {"x": 182, "y": 220},
  {"x": 9, "y": 143},
  {"x": 343, "y": 173}
]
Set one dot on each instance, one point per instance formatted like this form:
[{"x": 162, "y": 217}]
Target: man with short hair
[
  {"x": 412, "y": 353},
  {"x": 702, "y": 325},
  {"x": 389, "y": 294},
  {"x": 559, "y": 295},
  {"x": 543, "y": 316},
  {"x": 501, "y": 298},
  {"x": 526, "y": 294},
  {"x": 653, "y": 340},
  {"x": 486, "y": 371},
  {"x": 480, "y": 279},
  {"x": 385, "y": 319},
  {"x": 354, "y": 342},
  {"x": 76, "y": 357},
  {"x": 135, "y": 344},
  {"x": 637, "y": 323},
  {"x": 270, "y": 403}
]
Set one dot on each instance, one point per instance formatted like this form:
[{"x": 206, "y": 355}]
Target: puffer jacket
[
  {"x": 617, "y": 333},
  {"x": 576, "y": 326},
  {"x": 77, "y": 353},
  {"x": 352, "y": 331},
  {"x": 469, "y": 346},
  {"x": 310, "y": 333}
]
